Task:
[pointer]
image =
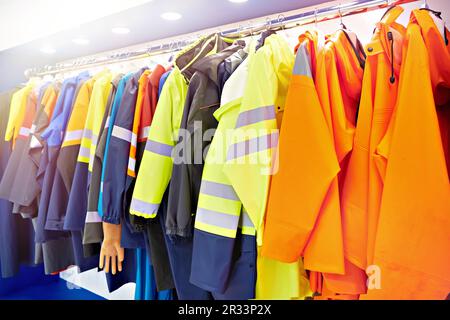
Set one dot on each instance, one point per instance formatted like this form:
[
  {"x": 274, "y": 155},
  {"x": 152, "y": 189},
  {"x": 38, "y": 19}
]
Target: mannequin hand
[{"x": 111, "y": 249}]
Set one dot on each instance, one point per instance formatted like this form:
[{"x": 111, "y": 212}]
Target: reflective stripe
[
  {"x": 159, "y": 148},
  {"x": 33, "y": 129},
  {"x": 24, "y": 131},
  {"x": 93, "y": 217},
  {"x": 218, "y": 219},
  {"x": 84, "y": 152},
  {"x": 35, "y": 143},
  {"x": 131, "y": 164},
  {"x": 302, "y": 66},
  {"x": 107, "y": 122},
  {"x": 143, "y": 133},
  {"x": 218, "y": 190},
  {"x": 124, "y": 134},
  {"x": 245, "y": 220},
  {"x": 255, "y": 115},
  {"x": 253, "y": 145},
  {"x": 87, "y": 133},
  {"x": 144, "y": 207},
  {"x": 134, "y": 140},
  {"x": 94, "y": 139},
  {"x": 73, "y": 135}
]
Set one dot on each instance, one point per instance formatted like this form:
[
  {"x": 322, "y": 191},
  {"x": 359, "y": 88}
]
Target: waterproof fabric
[
  {"x": 157, "y": 163},
  {"x": 16, "y": 234},
  {"x": 86, "y": 257},
  {"x": 413, "y": 219},
  {"x": 25, "y": 189},
  {"x": 57, "y": 246},
  {"x": 93, "y": 231},
  {"x": 201, "y": 102},
  {"x": 115, "y": 184}
]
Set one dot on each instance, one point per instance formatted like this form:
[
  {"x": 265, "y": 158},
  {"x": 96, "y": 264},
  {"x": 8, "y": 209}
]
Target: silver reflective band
[
  {"x": 255, "y": 115},
  {"x": 245, "y": 220},
  {"x": 73, "y": 135},
  {"x": 94, "y": 139},
  {"x": 143, "y": 133},
  {"x": 84, "y": 152},
  {"x": 131, "y": 164},
  {"x": 144, "y": 207},
  {"x": 123, "y": 134},
  {"x": 35, "y": 143},
  {"x": 93, "y": 217},
  {"x": 24, "y": 131},
  {"x": 107, "y": 122},
  {"x": 302, "y": 66},
  {"x": 217, "y": 219},
  {"x": 87, "y": 133},
  {"x": 252, "y": 146},
  {"x": 159, "y": 148},
  {"x": 218, "y": 190},
  {"x": 33, "y": 129}
]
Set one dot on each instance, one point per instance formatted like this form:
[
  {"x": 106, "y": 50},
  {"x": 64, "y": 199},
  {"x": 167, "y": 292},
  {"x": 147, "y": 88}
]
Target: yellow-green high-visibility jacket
[
  {"x": 220, "y": 212},
  {"x": 156, "y": 167},
  {"x": 255, "y": 137},
  {"x": 17, "y": 111},
  {"x": 94, "y": 118}
]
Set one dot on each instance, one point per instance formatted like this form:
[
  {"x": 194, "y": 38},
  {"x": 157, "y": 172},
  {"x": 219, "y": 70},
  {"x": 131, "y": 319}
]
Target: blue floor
[
  {"x": 53, "y": 291},
  {"x": 32, "y": 284}
]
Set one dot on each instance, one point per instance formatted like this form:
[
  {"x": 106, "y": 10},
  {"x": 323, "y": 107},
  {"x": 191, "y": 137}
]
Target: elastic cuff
[
  {"x": 111, "y": 219},
  {"x": 56, "y": 225}
]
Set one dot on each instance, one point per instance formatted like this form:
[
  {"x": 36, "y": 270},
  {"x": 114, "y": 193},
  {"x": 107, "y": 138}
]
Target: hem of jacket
[
  {"x": 142, "y": 214},
  {"x": 56, "y": 225},
  {"x": 207, "y": 287},
  {"x": 112, "y": 220},
  {"x": 174, "y": 231}
]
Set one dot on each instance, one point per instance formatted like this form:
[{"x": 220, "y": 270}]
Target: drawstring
[{"x": 391, "y": 39}]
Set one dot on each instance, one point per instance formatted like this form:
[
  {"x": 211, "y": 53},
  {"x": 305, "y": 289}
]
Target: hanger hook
[
  {"x": 315, "y": 17},
  {"x": 268, "y": 23},
  {"x": 281, "y": 20}
]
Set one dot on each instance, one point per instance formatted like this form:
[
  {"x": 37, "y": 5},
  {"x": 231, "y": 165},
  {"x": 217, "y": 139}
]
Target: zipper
[{"x": 391, "y": 40}]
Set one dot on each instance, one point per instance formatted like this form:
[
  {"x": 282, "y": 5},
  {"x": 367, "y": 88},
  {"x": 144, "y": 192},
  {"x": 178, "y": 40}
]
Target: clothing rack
[{"x": 280, "y": 23}]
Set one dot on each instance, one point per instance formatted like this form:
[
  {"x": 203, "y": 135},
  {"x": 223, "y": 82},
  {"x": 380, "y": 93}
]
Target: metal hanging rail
[{"x": 281, "y": 22}]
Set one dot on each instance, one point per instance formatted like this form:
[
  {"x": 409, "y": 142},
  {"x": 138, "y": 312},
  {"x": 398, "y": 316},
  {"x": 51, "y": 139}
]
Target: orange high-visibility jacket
[
  {"x": 363, "y": 185},
  {"x": 412, "y": 248},
  {"x": 304, "y": 206}
]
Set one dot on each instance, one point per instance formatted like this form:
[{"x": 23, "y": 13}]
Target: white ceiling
[{"x": 26, "y": 20}]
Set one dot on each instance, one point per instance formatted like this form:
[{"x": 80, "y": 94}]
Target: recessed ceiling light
[
  {"x": 171, "y": 16},
  {"x": 120, "y": 30},
  {"x": 48, "y": 50},
  {"x": 238, "y": 1},
  {"x": 81, "y": 41}
]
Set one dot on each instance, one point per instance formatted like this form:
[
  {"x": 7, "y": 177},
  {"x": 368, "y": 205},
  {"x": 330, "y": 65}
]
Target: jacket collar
[{"x": 209, "y": 65}]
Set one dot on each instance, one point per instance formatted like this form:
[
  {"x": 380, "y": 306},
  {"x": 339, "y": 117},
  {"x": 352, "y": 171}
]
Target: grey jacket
[{"x": 203, "y": 99}]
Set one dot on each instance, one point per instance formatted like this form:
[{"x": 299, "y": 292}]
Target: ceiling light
[
  {"x": 48, "y": 50},
  {"x": 171, "y": 16},
  {"x": 238, "y": 1},
  {"x": 120, "y": 30},
  {"x": 81, "y": 41}
]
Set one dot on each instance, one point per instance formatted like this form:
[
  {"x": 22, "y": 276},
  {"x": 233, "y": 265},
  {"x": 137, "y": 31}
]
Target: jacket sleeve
[
  {"x": 155, "y": 170},
  {"x": 307, "y": 165},
  {"x": 115, "y": 175}
]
